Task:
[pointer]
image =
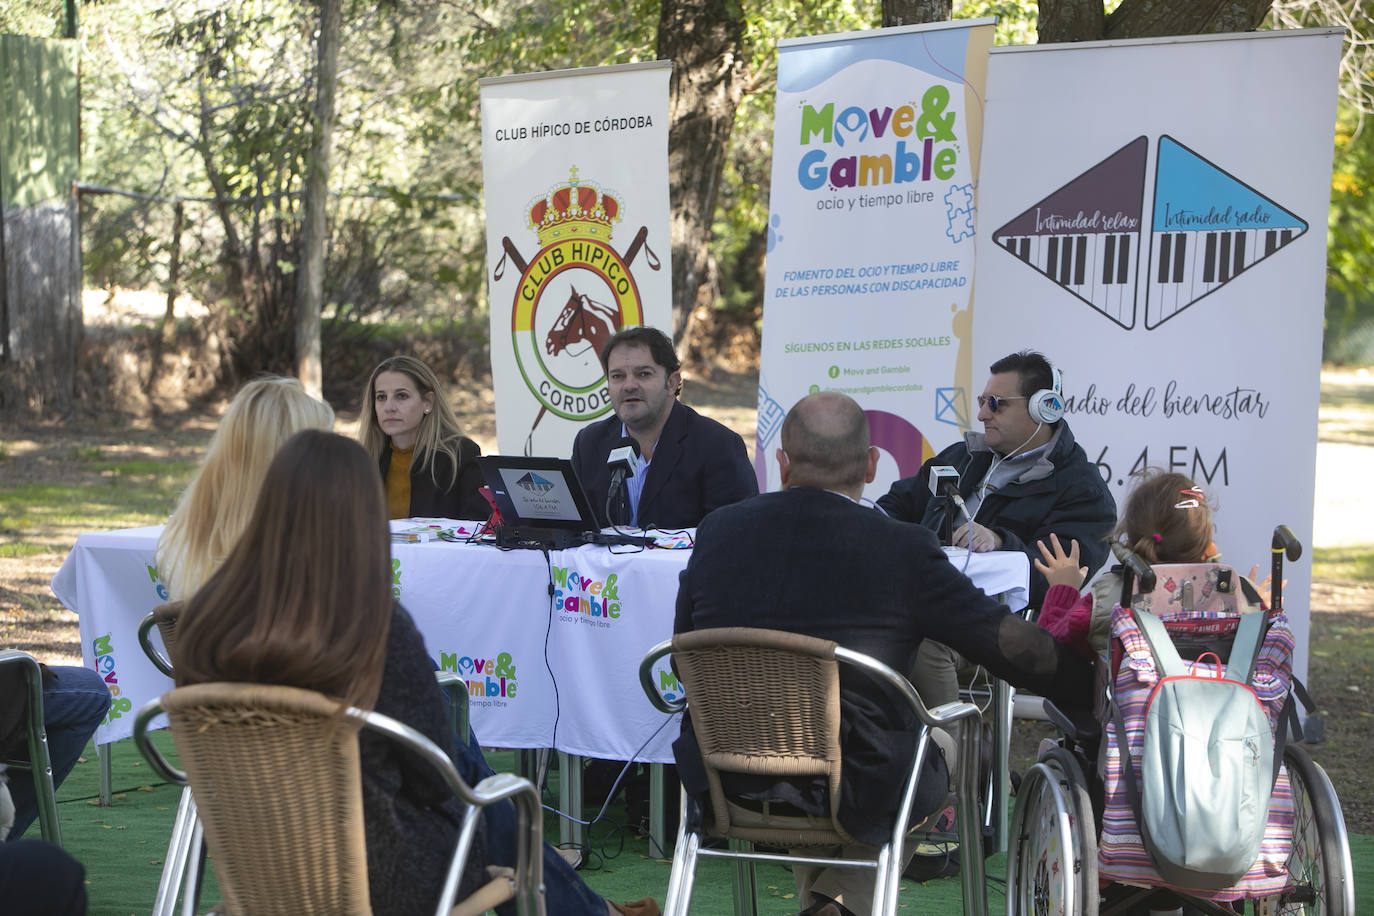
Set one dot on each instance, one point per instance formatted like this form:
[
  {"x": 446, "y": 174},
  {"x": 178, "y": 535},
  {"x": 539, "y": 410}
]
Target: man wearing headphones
[{"x": 1022, "y": 479}]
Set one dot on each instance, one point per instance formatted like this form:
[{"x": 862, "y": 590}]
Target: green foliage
[
  {"x": 191, "y": 97},
  {"x": 1016, "y": 19},
  {"x": 34, "y": 19}
]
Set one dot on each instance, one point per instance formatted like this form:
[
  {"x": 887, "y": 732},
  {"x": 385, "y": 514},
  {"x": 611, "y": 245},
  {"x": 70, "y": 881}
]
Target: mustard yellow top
[{"x": 398, "y": 482}]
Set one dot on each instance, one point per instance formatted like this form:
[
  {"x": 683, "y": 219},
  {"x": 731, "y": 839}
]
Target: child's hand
[
  {"x": 1265, "y": 584},
  {"x": 1058, "y": 567}
]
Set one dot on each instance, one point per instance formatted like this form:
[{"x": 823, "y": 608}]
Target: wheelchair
[{"x": 1061, "y": 860}]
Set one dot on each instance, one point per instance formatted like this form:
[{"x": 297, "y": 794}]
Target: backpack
[{"x": 1207, "y": 761}]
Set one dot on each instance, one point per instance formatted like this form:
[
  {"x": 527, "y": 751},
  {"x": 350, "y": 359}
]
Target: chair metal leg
[
  {"x": 178, "y": 852},
  {"x": 195, "y": 869},
  {"x": 886, "y": 880},
  {"x": 104, "y": 752},
  {"x": 999, "y": 798},
  {"x": 570, "y": 832},
  {"x": 745, "y": 884},
  {"x": 972, "y": 869},
  {"x": 679, "y": 896},
  {"x": 40, "y": 762}
]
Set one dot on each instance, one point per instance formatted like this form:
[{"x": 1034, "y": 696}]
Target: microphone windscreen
[{"x": 624, "y": 456}]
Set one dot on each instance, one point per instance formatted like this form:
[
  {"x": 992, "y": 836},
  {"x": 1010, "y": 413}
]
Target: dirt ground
[{"x": 80, "y": 452}]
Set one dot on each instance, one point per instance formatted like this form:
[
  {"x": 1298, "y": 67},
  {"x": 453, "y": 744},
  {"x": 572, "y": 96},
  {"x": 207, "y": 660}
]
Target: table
[
  {"x": 549, "y": 647},
  {"x": 543, "y": 670}
]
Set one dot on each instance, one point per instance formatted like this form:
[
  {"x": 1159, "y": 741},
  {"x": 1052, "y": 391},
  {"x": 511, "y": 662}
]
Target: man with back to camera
[
  {"x": 1023, "y": 478},
  {"x": 810, "y": 559},
  {"x": 687, "y": 465}
]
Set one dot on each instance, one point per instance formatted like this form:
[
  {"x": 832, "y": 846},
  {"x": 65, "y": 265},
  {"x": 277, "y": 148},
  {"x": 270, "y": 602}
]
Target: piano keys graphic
[
  {"x": 1086, "y": 236},
  {"x": 1208, "y": 227}
]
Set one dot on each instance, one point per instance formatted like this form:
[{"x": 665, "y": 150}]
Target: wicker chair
[
  {"x": 184, "y": 865},
  {"x": 792, "y": 728},
  {"x": 23, "y": 686},
  {"x": 164, "y": 618},
  {"x": 276, "y": 777}
]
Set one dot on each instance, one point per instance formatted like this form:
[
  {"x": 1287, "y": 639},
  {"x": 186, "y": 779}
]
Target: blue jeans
[
  {"x": 565, "y": 892},
  {"x": 73, "y": 705}
]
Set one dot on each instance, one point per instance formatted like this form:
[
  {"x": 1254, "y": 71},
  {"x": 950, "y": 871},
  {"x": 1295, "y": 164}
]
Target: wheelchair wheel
[
  {"x": 1319, "y": 866},
  {"x": 1052, "y": 862}
]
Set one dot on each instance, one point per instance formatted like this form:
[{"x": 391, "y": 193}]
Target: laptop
[{"x": 542, "y": 503}]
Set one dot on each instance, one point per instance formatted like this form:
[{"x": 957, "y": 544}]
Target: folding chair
[
  {"x": 20, "y": 670},
  {"x": 250, "y": 749},
  {"x": 792, "y": 728}
]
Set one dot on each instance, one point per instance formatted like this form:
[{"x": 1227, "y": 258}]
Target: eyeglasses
[{"x": 994, "y": 402}]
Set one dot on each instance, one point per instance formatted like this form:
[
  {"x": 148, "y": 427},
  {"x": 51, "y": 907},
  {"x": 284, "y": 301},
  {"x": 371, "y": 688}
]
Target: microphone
[
  {"x": 944, "y": 481},
  {"x": 621, "y": 461}
]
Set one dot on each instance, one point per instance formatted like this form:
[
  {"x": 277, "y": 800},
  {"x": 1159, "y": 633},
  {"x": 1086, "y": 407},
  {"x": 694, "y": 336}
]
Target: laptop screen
[{"x": 537, "y": 492}]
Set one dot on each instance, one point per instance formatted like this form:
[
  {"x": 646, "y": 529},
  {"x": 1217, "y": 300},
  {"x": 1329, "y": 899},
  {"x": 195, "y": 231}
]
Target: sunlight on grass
[
  {"x": 128, "y": 494},
  {"x": 1354, "y": 564},
  {"x": 26, "y": 549}
]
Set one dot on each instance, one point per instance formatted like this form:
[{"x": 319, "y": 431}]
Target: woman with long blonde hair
[
  {"x": 429, "y": 468},
  {"x": 216, "y": 505}
]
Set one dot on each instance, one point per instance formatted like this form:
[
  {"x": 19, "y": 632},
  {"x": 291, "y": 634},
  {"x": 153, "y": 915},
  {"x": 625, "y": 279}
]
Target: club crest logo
[{"x": 571, "y": 297}]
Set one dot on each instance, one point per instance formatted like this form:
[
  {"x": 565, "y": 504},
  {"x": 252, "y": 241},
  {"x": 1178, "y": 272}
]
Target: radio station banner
[
  {"x": 1154, "y": 220},
  {"x": 870, "y": 236},
  {"x": 575, "y": 168}
]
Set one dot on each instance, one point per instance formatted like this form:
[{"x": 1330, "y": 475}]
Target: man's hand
[
  {"x": 1060, "y": 568},
  {"x": 983, "y": 540}
]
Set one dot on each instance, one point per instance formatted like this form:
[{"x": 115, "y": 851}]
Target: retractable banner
[
  {"x": 575, "y": 169},
  {"x": 870, "y": 235},
  {"x": 1154, "y": 220}
]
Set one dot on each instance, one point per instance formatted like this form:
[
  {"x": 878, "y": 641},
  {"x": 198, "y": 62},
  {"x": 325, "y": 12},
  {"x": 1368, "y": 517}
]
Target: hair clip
[{"x": 1194, "y": 500}]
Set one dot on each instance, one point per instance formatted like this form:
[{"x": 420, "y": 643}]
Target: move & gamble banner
[
  {"x": 575, "y": 169},
  {"x": 1153, "y": 218},
  {"x": 870, "y": 237}
]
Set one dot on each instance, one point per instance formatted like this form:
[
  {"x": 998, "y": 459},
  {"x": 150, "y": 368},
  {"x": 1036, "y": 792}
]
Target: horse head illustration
[{"x": 583, "y": 320}]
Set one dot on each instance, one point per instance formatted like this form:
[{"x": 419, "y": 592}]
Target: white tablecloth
[{"x": 556, "y": 670}]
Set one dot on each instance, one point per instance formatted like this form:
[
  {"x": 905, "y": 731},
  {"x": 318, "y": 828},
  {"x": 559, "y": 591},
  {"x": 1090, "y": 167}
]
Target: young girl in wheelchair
[{"x": 1167, "y": 520}]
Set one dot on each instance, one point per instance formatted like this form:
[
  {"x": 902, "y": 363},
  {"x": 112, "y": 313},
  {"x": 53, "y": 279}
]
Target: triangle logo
[
  {"x": 1208, "y": 227},
  {"x": 1086, "y": 236}
]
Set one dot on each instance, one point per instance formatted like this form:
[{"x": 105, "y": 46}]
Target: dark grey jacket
[{"x": 1062, "y": 494}]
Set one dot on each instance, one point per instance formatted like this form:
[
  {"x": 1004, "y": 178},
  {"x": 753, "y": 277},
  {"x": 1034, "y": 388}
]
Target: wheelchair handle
[
  {"x": 1133, "y": 566},
  {"x": 1283, "y": 545}
]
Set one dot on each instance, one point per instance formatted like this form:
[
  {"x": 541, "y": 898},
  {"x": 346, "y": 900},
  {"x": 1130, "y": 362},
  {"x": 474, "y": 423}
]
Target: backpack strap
[
  {"x": 1245, "y": 647},
  {"x": 1167, "y": 660},
  {"x": 1289, "y": 723}
]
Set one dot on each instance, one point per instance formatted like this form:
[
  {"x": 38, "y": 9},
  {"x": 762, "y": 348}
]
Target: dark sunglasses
[{"x": 994, "y": 402}]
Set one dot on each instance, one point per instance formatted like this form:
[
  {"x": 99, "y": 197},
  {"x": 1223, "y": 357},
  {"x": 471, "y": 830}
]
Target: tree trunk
[
  {"x": 911, "y": 12},
  {"x": 1071, "y": 20},
  {"x": 314, "y": 229},
  {"x": 1083, "y": 20},
  {"x": 705, "y": 41}
]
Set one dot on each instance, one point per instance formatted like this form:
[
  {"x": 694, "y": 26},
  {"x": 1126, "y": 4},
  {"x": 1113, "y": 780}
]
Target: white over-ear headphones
[{"x": 1047, "y": 405}]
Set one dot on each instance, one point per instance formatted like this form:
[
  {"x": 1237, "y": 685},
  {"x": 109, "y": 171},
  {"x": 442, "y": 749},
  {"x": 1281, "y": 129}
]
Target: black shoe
[
  {"x": 824, "y": 906},
  {"x": 933, "y": 860}
]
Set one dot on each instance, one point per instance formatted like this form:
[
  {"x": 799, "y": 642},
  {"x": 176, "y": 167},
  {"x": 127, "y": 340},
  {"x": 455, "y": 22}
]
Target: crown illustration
[{"x": 574, "y": 210}]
